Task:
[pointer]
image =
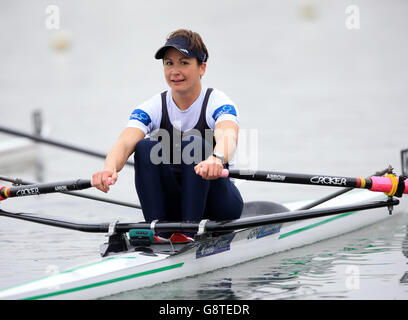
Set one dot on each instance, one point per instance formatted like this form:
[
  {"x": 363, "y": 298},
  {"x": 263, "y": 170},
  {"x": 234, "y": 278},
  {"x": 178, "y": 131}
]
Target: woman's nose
[{"x": 175, "y": 70}]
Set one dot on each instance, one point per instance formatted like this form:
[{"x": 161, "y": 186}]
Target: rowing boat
[
  {"x": 133, "y": 259},
  {"x": 17, "y": 151},
  {"x": 134, "y": 266},
  {"x": 22, "y": 151}
]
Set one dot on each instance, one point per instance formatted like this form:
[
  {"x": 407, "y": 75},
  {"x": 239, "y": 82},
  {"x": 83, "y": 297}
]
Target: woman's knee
[
  {"x": 226, "y": 204},
  {"x": 144, "y": 150},
  {"x": 235, "y": 207},
  {"x": 225, "y": 213}
]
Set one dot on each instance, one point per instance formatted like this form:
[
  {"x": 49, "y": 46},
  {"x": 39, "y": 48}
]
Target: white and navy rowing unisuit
[
  {"x": 172, "y": 191},
  {"x": 148, "y": 116}
]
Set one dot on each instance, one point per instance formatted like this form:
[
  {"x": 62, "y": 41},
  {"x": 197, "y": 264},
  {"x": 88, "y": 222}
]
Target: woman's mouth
[{"x": 178, "y": 81}]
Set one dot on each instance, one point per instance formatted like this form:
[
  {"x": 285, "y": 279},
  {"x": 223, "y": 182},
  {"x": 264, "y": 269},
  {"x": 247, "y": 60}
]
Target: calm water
[{"x": 322, "y": 99}]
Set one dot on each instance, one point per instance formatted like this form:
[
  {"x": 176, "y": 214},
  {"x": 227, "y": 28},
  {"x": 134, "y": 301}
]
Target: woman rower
[{"x": 177, "y": 165}]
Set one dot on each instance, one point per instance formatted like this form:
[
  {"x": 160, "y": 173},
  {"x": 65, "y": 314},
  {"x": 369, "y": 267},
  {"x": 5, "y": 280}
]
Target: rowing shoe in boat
[{"x": 132, "y": 259}]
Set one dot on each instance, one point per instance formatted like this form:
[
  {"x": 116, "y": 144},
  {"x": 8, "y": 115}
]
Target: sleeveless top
[
  {"x": 201, "y": 128},
  {"x": 201, "y": 125}
]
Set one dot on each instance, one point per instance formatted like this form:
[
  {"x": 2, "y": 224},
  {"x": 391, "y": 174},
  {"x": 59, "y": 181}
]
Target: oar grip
[
  {"x": 224, "y": 173},
  {"x": 386, "y": 184}
]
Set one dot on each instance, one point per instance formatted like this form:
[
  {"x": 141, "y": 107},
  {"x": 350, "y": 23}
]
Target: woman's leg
[
  {"x": 224, "y": 201},
  {"x": 156, "y": 186},
  {"x": 194, "y": 187},
  {"x": 163, "y": 198},
  {"x": 210, "y": 199}
]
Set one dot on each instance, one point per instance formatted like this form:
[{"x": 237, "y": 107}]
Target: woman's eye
[{"x": 184, "y": 62}]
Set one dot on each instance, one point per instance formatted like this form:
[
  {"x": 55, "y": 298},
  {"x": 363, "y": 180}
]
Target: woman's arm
[
  {"x": 226, "y": 139},
  {"x": 116, "y": 158}
]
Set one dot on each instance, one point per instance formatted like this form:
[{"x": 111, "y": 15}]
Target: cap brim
[{"x": 162, "y": 51}]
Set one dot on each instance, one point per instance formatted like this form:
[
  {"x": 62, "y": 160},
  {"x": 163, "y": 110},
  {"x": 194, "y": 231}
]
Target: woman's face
[{"x": 183, "y": 74}]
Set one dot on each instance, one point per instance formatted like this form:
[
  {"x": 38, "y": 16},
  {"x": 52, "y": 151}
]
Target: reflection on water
[
  {"x": 404, "y": 278},
  {"x": 220, "y": 290}
]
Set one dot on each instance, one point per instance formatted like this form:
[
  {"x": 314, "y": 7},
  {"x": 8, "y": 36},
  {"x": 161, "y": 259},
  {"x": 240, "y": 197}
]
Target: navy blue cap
[{"x": 182, "y": 44}]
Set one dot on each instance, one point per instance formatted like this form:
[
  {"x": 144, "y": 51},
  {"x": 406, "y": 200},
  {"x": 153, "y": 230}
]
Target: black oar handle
[
  {"x": 323, "y": 180},
  {"x": 76, "y": 194},
  {"x": 41, "y": 188},
  {"x": 391, "y": 185}
]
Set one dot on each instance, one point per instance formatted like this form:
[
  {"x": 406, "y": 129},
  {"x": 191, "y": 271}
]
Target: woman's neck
[{"x": 184, "y": 100}]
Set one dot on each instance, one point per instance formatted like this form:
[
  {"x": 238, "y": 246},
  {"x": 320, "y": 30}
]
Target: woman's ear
[{"x": 203, "y": 67}]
